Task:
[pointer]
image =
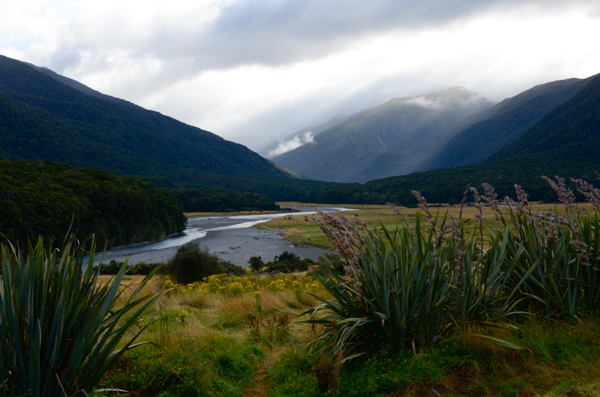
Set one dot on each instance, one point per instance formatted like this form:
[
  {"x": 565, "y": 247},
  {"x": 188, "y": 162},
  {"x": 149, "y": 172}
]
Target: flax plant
[
  {"x": 563, "y": 248},
  {"x": 406, "y": 288},
  {"x": 60, "y": 330}
]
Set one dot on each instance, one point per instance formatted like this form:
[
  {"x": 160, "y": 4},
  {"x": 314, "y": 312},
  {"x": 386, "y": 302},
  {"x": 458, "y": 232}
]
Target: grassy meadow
[
  {"x": 301, "y": 229},
  {"x": 487, "y": 299},
  {"x": 245, "y": 336},
  {"x": 273, "y": 335}
]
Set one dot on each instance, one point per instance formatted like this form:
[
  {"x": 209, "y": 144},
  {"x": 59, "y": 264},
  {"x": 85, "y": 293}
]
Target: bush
[
  {"x": 256, "y": 263},
  {"x": 112, "y": 267},
  {"x": 407, "y": 287},
  {"x": 141, "y": 268},
  {"x": 191, "y": 264},
  {"x": 59, "y": 329},
  {"x": 288, "y": 262}
]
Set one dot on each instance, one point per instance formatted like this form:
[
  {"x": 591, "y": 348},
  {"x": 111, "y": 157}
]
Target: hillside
[
  {"x": 47, "y": 116},
  {"x": 565, "y": 142},
  {"x": 43, "y": 197},
  {"x": 502, "y": 124},
  {"x": 389, "y": 140},
  {"x": 301, "y": 137}
]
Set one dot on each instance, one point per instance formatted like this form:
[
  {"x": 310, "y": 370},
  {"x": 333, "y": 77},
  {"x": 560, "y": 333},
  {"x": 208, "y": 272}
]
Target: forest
[{"x": 46, "y": 198}]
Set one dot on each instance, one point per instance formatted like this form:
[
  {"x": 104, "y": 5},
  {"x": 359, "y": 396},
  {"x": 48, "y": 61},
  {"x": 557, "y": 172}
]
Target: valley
[{"x": 454, "y": 289}]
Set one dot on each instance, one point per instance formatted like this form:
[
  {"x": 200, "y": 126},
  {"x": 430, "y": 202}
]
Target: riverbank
[{"x": 232, "y": 238}]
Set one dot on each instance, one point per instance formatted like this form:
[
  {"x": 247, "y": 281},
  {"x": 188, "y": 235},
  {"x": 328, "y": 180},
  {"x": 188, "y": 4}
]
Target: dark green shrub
[
  {"x": 191, "y": 264},
  {"x": 143, "y": 268},
  {"x": 59, "y": 329},
  {"x": 288, "y": 262},
  {"x": 112, "y": 267},
  {"x": 256, "y": 263},
  {"x": 279, "y": 267},
  {"x": 288, "y": 257},
  {"x": 232, "y": 269}
]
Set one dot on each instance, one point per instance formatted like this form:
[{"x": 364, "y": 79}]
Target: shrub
[
  {"x": 58, "y": 327},
  {"x": 408, "y": 287},
  {"x": 288, "y": 262},
  {"x": 191, "y": 264},
  {"x": 142, "y": 268},
  {"x": 112, "y": 267},
  {"x": 256, "y": 263}
]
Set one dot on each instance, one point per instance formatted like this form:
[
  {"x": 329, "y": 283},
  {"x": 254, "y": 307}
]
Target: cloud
[
  {"x": 291, "y": 144},
  {"x": 256, "y": 70}
]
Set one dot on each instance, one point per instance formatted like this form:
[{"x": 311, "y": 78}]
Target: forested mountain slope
[
  {"x": 391, "y": 139},
  {"x": 41, "y": 117},
  {"x": 502, "y": 124},
  {"x": 43, "y": 197},
  {"x": 565, "y": 142}
]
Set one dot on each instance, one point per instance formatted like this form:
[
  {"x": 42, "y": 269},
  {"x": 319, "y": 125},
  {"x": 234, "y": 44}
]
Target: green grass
[{"x": 556, "y": 358}]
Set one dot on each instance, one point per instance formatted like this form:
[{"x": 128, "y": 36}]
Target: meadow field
[{"x": 480, "y": 300}]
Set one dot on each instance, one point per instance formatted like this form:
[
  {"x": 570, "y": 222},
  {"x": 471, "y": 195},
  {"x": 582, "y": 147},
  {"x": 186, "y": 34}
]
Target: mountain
[
  {"x": 301, "y": 137},
  {"x": 498, "y": 126},
  {"x": 391, "y": 139},
  {"x": 565, "y": 142},
  {"x": 47, "y": 116}
]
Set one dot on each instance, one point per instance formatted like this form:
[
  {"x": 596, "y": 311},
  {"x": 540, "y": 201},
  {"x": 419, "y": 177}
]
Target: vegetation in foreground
[
  {"x": 510, "y": 310},
  {"x": 60, "y": 330}
]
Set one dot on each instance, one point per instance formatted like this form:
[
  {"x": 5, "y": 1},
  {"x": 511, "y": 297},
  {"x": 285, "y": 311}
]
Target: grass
[
  {"x": 302, "y": 230},
  {"x": 210, "y": 346},
  {"x": 214, "y": 337},
  {"x": 557, "y": 360},
  {"x": 243, "y": 336}
]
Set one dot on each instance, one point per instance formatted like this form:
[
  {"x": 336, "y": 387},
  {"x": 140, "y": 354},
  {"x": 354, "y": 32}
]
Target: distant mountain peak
[{"x": 388, "y": 140}]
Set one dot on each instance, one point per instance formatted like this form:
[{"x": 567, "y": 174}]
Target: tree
[{"x": 256, "y": 263}]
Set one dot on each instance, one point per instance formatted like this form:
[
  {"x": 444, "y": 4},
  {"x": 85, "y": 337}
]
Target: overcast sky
[{"x": 253, "y": 71}]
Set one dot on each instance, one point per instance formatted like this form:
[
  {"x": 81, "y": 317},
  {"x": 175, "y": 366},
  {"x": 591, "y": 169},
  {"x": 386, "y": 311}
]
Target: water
[{"x": 232, "y": 238}]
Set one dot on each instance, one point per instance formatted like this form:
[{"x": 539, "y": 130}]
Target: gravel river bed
[{"x": 232, "y": 238}]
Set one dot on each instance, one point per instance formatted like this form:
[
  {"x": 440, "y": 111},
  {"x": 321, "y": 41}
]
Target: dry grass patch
[{"x": 302, "y": 229}]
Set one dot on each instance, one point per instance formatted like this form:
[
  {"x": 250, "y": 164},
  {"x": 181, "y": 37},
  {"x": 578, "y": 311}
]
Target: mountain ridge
[
  {"x": 501, "y": 124},
  {"x": 44, "y": 118},
  {"x": 408, "y": 127}
]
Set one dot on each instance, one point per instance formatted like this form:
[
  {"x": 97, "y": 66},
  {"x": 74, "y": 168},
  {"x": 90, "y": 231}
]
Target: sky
[{"x": 254, "y": 71}]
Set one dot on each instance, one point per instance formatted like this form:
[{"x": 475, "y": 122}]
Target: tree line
[{"x": 46, "y": 198}]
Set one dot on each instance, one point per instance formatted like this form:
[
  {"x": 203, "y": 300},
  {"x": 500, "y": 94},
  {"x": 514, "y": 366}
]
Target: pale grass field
[
  {"x": 208, "y": 313},
  {"x": 302, "y": 229}
]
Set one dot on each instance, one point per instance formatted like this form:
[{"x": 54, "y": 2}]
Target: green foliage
[
  {"x": 560, "y": 275},
  {"x": 288, "y": 262},
  {"x": 213, "y": 365},
  {"x": 142, "y": 268},
  {"x": 555, "y": 357},
  {"x": 256, "y": 263},
  {"x": 59, "y": 330},
  {"x": 191, "y": 264},
  {"x": 41, "y": 198},
  {"x": 406, "y": 288},
  {"x": 221, "y": 200}
]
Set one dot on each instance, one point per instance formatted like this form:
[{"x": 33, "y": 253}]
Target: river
[{"x": 232, "y": 238}]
